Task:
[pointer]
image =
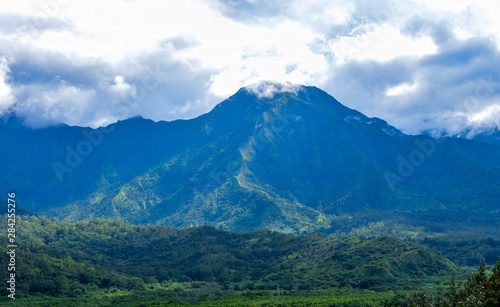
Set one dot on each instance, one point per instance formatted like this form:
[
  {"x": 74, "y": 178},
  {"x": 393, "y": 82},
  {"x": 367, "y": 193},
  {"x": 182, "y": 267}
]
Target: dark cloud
[
  {"x": 418, "y": 27},
  {"x": 459, "y": 81},
  {"x": 42, "y": 66},
  {"x": 461, "y": 53},
  {"x": 52, "y": 88}
]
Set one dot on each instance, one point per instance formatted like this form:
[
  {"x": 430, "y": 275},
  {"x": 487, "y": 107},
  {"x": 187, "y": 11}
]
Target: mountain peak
[
  {"x": 299, "y": 161},
  {"x": 268, "y": 89}
]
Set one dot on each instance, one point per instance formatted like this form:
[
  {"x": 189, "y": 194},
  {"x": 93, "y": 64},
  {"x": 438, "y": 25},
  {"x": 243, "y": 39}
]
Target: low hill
[{"x": 68, "y": 259}]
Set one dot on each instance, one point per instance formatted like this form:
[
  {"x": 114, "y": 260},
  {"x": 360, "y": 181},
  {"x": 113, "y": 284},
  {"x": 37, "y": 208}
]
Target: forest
[{"x": 109, "y": 262}]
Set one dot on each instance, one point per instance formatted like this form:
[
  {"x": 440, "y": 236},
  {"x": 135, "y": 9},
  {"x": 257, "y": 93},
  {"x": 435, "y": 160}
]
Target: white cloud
[
  {"x": 116, "y": 32},
  {"x": 245, "y": 54},
  {"x": 490, "y": 114},
  {"x": 322, "y": 15},
  {"x": 468, "y": 123},
  {"x": 383, "y": 43},
  {"x": 267, "y": 89},
  {"x": 122, "y": 89},
  {"x": 401, "y": 89},
  {"x": 7, "y": 98},
  {"x": 62, "y": 103},
  {"x": 469, "y": 18}
]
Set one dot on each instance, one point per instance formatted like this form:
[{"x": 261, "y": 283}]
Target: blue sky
[{"x": 420, "y": 65}]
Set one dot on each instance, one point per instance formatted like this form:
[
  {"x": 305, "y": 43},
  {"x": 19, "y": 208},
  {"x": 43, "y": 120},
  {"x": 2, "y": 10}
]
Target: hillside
[{"x": 61, "y": 259}]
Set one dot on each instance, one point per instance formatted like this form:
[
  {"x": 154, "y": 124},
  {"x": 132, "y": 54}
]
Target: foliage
[
  {"x": 481, "y": 289},
  {"x": 466, "y": 252},
  {"x": 206, "y": 296},
  {"x": 71, "y": 260}
]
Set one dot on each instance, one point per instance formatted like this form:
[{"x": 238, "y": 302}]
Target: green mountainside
[
  {"x": 297, "y": 162},
  {"x": 108, "y": 259}
]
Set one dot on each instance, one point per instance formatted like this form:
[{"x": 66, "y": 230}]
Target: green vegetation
[
  {"x": 214, "y": 295},
  {"x": 481, "y": 289},
  {"x": 466, "y": 252},
  {"x": 418, "y": 225},
  {"x": 113, "y": 262}
]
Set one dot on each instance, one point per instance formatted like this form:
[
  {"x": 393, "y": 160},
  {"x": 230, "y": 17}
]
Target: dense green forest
[
  {"x": 481, "y": 289},
  {"x": 109, "y": 262}
]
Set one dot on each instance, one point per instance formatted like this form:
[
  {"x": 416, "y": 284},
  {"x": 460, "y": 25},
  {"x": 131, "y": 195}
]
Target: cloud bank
[
  {"x": 6, "y": 96},
  {"x": 268, "y": 89},
  {"x": 420, "y": 65}
]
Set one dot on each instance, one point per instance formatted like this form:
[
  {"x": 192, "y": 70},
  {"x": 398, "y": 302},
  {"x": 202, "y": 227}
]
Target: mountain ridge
[{"x": 294, "y": 161}]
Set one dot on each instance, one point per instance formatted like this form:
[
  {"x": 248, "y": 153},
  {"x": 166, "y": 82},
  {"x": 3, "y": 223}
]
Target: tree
[{"x": 479, "y": 290}]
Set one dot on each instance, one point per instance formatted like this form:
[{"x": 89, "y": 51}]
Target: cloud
[
  {"x": 417, "y": 64},
  {"x": 23, "y": 27},
  {"x": 401, "y": 89},
  {"x": 7, "y": 98},
  {"x": 45, "y": 105},
  {"x": 438, "y": 31},
  {"x": 490, "y": 116},
  {"x": 373, "y": 45},
  {"x": 154, "y": 83},
  {"x": 441, "y": 92},
  {"x": 267, "y": 89},
  {"x": 122, "y": 89}
]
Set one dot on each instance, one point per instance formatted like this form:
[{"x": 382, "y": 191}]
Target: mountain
[
  {"x": 489, "y": 135},
  {"x": 288, "y": 159},
  {"x": 492, "y": 137}
]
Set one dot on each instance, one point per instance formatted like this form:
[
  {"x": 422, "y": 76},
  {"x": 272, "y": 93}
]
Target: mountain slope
[{"x": 294, "y": 161}]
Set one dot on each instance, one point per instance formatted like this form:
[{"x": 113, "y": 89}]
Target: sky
[{"x": 421, "y": 65}]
